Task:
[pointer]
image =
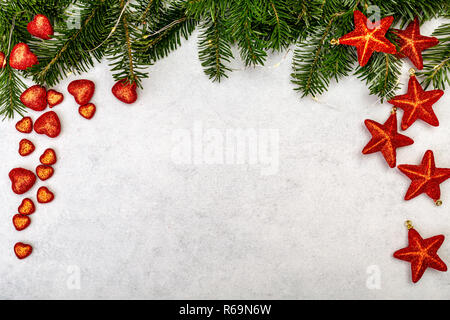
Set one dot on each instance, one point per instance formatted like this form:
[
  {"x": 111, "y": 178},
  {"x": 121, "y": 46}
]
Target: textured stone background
[{"x": 134, "y": 224}]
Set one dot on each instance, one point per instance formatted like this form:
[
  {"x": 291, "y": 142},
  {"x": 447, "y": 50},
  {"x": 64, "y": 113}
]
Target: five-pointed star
[
  {"x": 367, "y": 38},
  {"x": 425, "y": 177},
  {"x": 412, "y": 43},
  {"x": 422, "y": 254},
  {"x": 417, "y": 104},
  {"x": 386, "y": 139}
]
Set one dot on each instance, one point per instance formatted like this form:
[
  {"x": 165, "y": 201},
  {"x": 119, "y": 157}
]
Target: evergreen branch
[
  {"x": 126, "y": 62},
  {"x": 243, "y": 15},
  {"x": 214, "y": 48},
  {"x": 314, "y": 65},
  {"x": 11, "y": 87},
  {"x": 381, "y": 74},
  {"x": 164, "y": 35}
]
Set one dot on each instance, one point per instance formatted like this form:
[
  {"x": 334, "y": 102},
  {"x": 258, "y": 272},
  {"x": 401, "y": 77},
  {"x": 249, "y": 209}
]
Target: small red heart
[
  {"x": 48, "y": 157},
  {"x": 40, "y": 27},
  {"x": 21, "y": 57},
  {"x": 22, "y": 250},
  {"x": 125, "y": 91},
  {"x": 2, "y": 60},
  {"x": 27, "y": 207},
  {"x": 54, "y": 98},
  {"x": 22, "y": 180},
  {"x": 35, "y": 98},
  {"x": 21, "y": 222},
  {"x": 48, "y": 124},
  {"x": 87, "y": 111},
  {"x": 25, "y": 125},
  {"x": 26, "y": 147},
  {"x": 44, "y": 195},
  {"x": 82, "y": 90},
  {"x": 44, "y": 172}
]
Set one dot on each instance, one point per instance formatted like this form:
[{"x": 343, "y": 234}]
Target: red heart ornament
[
  {"x": 22, "y": 250},
  {"x": 44, "y": 195},
  {"x": 35, "y": 98},
  {"x": 22, "y": 180},
  {"x": 87, "y": 111},
  {"x": 54, "y": 98},
  {"x": 21, "y": 57},
  {"x": 40, "y": 27},
  {"x": 82, "y": 90},
  {"x": 25, "y": 125},
  {"x": 48, "y": 124},
  {"x": 48, "y": 157},
  {"x": 26, "y": 147},
  {"x": 2, "y": 60},
  {"x": 44, "y": 172},
  {"x": 125, "y": 91},
  {"x": 21, "y": 222},
  {"x": 27, "y": 207}
]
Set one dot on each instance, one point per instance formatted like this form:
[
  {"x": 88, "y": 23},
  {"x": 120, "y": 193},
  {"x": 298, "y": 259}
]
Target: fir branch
[
  {"x": 316, "y": 61},
  {"x": 244, "y": 14},
  {"x": 164, "y": 35},
  {"x": 214, "y": 47},
  {"x": 381, "y": 74},
  {"x": 11, "y": 87}
]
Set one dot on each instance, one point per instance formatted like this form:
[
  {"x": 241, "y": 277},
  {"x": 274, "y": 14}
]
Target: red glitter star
[
  {"x": 367, "y": 39},
  {"x": 386, "y": 139},
  {"x": 412, "y": 43},
  {"x": 425, "y": 178},
  {"x": 421, "y": 254},
  {"x": 417, "y": 104}
]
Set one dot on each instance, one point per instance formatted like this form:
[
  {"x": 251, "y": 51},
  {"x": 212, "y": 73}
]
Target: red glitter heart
[
  {"x": 21, "y": 222},
  {"x": 22, "y": 250},
  {"x": 48, "y": 124},
  {"x": 25, "y": 125},
  {"x": 21, "y": 57},
  {"x": 54, "y": 98},
  {"x": 22, "y": 180},
  {"x": 26, "y": 147},
  {"x": 125, "y": 91},
  {"x": 82, "y": 90},
  {"x": 40, "y": 27},
  {"x": 35, "y": 98},
  {"x": 27, "y": 207}
]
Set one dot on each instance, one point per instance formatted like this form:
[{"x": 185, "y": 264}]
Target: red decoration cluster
[
  {"x": 415, "y": 104},
  {"x": 21, "y": 57},
  {"x": 35, "y": 98},
  {"x": 369, "y": 37},
  {"x": 83, "y": 91}
]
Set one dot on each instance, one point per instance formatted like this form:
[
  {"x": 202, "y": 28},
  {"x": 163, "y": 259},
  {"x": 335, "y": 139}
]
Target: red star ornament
[
  {"x": 417, "y": 104},
  {"x": 412, "y": 43},
  {"x": 367, "y": 39},
  {"x": 386, "y": 139},
  {"x": 425, "y": 178},
  {"x": 421, "y": 253}
]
